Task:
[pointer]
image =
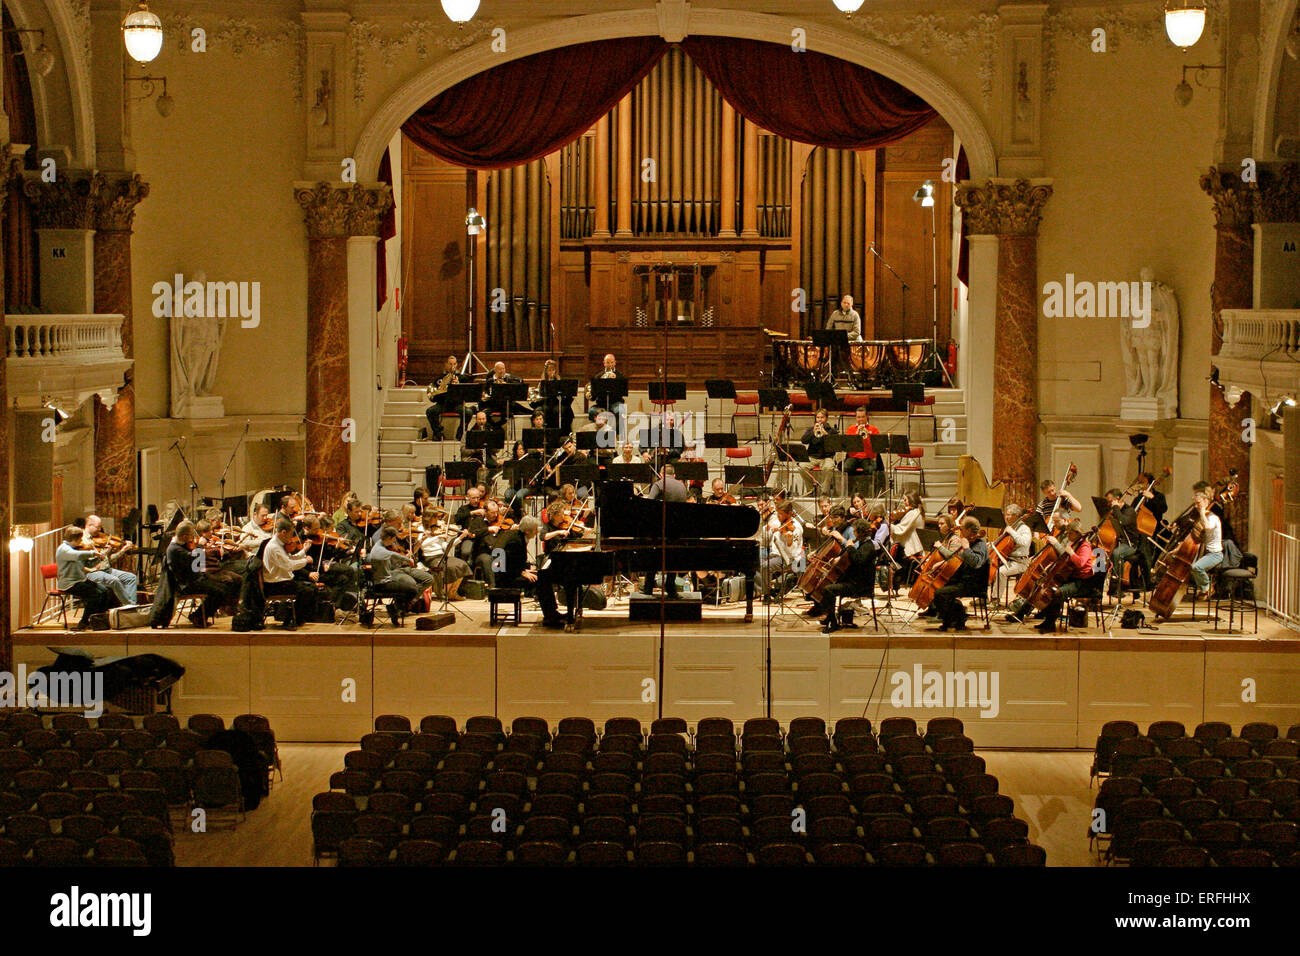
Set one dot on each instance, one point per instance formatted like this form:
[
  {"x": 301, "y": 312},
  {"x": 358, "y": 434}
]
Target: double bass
[{"x": 1175, "y": 565}]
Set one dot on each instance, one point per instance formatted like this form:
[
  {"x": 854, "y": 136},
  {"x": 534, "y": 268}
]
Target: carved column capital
[
  {"x": 1003, "y": 208},
  {"x": 335, "y": 212},
  {"x": 115, "y": 201},
  {"x": 1234, "y": 201},
  {"x": 1277, "y": 193},
  {"x": 66, "y": 203}
]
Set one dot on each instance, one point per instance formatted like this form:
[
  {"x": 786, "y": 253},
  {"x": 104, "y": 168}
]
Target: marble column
[
  {"x": 1011, "y": 211},
  {"x": 1232, "y": 288},
  {"x": 115, "y": 472},
  {"x": 6, "y": 638},
  {"x": 333, "y": 214}
]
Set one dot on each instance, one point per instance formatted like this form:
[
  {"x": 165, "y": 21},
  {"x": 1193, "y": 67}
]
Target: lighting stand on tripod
[{"x": 925, "y": 196}]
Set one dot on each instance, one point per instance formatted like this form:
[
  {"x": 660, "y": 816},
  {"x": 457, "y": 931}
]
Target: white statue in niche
[
  {"x": 195, "y": 353},
  {"x": 1151, "y": 356}
]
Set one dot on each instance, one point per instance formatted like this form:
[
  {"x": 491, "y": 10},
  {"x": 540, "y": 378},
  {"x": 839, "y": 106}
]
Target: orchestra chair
[
  {"x": 1007, "y": 587},
  {"x": 50, "y": 574},
  {"x": 192, "y": 601},
  {"x": 1237, "y": 590},
  {"x": 509, "y": 598},
  {"x": 911, "y": 463},
  {"x": 377, "y": 594},
  {"x": 749, "y": 416},
  {"x": 980, "y": 605},
  {"x": 1206, "y": 597},
  {"x": 926, "y": 411},
  {"x": 455, "y": 493}
]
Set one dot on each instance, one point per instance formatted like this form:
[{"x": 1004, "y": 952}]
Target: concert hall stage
[{"x": 327, "y": 683}]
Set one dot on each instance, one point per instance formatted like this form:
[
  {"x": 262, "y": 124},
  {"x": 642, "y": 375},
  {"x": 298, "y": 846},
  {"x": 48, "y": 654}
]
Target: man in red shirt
[{"x": 861, "y": 468}]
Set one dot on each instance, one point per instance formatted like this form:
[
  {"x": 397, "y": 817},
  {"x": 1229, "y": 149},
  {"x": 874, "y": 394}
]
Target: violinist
[
  {"x": 324, "y": 545},
  {"x": 1050, "y": 494},
  {"x": 1022, "y": 535},
  {"x": 352, "y": 529},
  {"x": 858, "y": 508},
  {"x": 971, "y": 579},
  {"x": 281, "y": 560},
  {"x": 857, "y": 579},
  {"x": 1081, "y": 582},
  {"x": 232, "y": 557},
  {"x": 289, "y": 508},
  {"x": 718, "y": 495},
  {"x": 121, "y": 583},
  {"x": 421, "y": 499},
  {"x": 256, "y": 529},
  {"x": 437, "y": 549},
  {"x": 875, "y": 518},
  {"x": 1123, "y": 518},
  {"x": 183, "y": 563},
  {"x": 786, "y": 551},
  {"x": 396, "y": 570},
  {"x": 904, "y": 530},
  {"x": 560, "y": 527},
  {"x": 487, "y": 532},
  {"x": 72, "y": 560},
  {"x": 1211, "y": 540},
  {"x": 209, "y": 545},
  {"x": 341, "y": 515}
]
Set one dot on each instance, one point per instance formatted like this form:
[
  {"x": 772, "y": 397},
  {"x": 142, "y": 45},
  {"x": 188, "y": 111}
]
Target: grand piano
[{"x": 635, "y": 532}]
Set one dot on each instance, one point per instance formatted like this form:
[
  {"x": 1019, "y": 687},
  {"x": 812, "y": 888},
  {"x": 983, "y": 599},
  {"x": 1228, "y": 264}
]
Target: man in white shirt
[
  {"x": 1211, "y": 542},
  {"x": 279, "y": 572},
  {"x": 251, "y": 533},
  {"x": 121, "y": 583},
  {"x": 1021, "y": 534},
  {"x": 786, "y": 552}
]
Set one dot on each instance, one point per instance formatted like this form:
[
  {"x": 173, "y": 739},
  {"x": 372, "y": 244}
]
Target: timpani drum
[
  {"x": 795, "y": 361},
  {"x": 867, "y": 363},
  {"x": 907, "y": 359}
]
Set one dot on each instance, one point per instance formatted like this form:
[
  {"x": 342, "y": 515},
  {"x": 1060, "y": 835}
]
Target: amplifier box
[{"x": 432, "y": 622}]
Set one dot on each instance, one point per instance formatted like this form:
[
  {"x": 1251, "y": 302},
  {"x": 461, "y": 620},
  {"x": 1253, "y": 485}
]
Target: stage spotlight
[
  {"x": 474, "y": 222},
  {"x": 1285, "y": 402},
  {"x": 925, "y": 195},
  {"x": 1138, "y": 440}
]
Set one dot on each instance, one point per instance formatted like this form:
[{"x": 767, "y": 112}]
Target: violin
[
  {"x": 504, "y": 523},
  {"x": 268, "y": 524},
  {"x": 293, "y": 545},
  {"x": 371, "y": 517}
]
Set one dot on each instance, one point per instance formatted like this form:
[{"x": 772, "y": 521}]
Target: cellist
[
  {"x": 857, "y": 579},
  {"x": 971, "y": 579},
  {"x": 1080, "y": 580},
  {"x": 949, "y": 540}
]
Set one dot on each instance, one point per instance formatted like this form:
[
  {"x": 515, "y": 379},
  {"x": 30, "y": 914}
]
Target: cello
[
  {"x": 935, "y": 572},
  {"x": 1177, "y": 562},
  {"x": 1043, "y": 564},
  {"x": 999, "y": 550},
  {"x": 825, "y": 567}
]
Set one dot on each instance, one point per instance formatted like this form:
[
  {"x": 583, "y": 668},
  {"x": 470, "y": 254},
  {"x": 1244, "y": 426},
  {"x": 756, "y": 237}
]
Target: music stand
[
  {"x": 465, "y": 472},
  {"x": 486, "y": 440},
  {"x": 905, "y": 393},
  {"x": 691, "y": 470},
  {"x": 717, "y": 389},
  {"x": 578, "y": 475},
  {"x": 462, "y": 395},
  {"x": 836, "y": 340},
  {"x": 637, "y": 471},
  {"x": 746, "y": 476},
  {"x": 607, "y": 392},
  {"x": 547, "y": 439},
  {"x": 585, "y": 440},
  {"x": 821, "y": 393},
  {"x": 773, "y": 399}
]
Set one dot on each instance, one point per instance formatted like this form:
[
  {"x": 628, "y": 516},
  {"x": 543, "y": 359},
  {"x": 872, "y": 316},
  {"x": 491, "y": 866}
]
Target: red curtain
[
  {"x": 523, "y": 110},
  {"x": 808, "y": 97}
]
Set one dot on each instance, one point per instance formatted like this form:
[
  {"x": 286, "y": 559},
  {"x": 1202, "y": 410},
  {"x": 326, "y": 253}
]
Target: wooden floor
[{"x": 1050, "y": 789}]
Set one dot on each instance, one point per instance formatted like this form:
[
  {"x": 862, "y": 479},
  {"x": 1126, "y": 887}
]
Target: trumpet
[
  {"x": 819, "y": 430},
  {"x": 534, "y": 394}
]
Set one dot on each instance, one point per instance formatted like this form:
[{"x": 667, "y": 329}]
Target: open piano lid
[{"x": 624, "y": 515}]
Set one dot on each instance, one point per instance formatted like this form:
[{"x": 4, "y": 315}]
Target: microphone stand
[
  {"x": 231, "y": 461},
  {"x": 900, "y": 279},
  {"x": 194, "y": 485}
]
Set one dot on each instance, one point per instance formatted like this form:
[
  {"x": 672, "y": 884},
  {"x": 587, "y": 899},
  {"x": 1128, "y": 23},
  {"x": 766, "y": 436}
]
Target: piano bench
[{"x": 507, "y": 596}]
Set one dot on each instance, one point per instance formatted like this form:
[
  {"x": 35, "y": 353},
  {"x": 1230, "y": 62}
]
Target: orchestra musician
[
  {"x": 1082, "y": 582},
  {"x": 815, "y": 439},
  {"x": 487, "y": 533},
  {"x": 209, "y": 545},
  {"x": 72, "y": 560},
  {"x": 441, "y": 398},
  {"x": 857, "y": 579},
  {"x": 862, "y": 469},
  {"x": 718, "y": 494},
  {"x": 500, "y": 411},
  {"x": 971, "y": 579},
  {"x": 437, "y": 548},
  {"x": 1022, "y": 535},
  {"x": 256, "y": 529},
  {"x": 627, "y": 455},
  {"x": 904, "y": 531},
  {"x": 949, "y": 533},
  {"x": 122, "y": 583},
  {"x": 352, "y": 528},
  {"x": 280, "y": 567},
  {"x": 1124, "y": 519},
  {"x": 1048, "y": 502},
  {"x": 847, "y": 318},
  {"x": 606, "y": 438},
  {"x": 421, "y": 499},
  {"x": 338, "y": 576},
  {"x": 1211, "y": 539},
  {"x": 183, "y": 570},
  {"x": 341, "y": 515},
  {"x": 786, "y": 551},
  {"x": 1155, "y": 502},
  {"x": 484, "y": 456},
  {"x": 556, "y": 412},
  {"x": 397, "y": 571},
  {"x": 619, "y": 407}
]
